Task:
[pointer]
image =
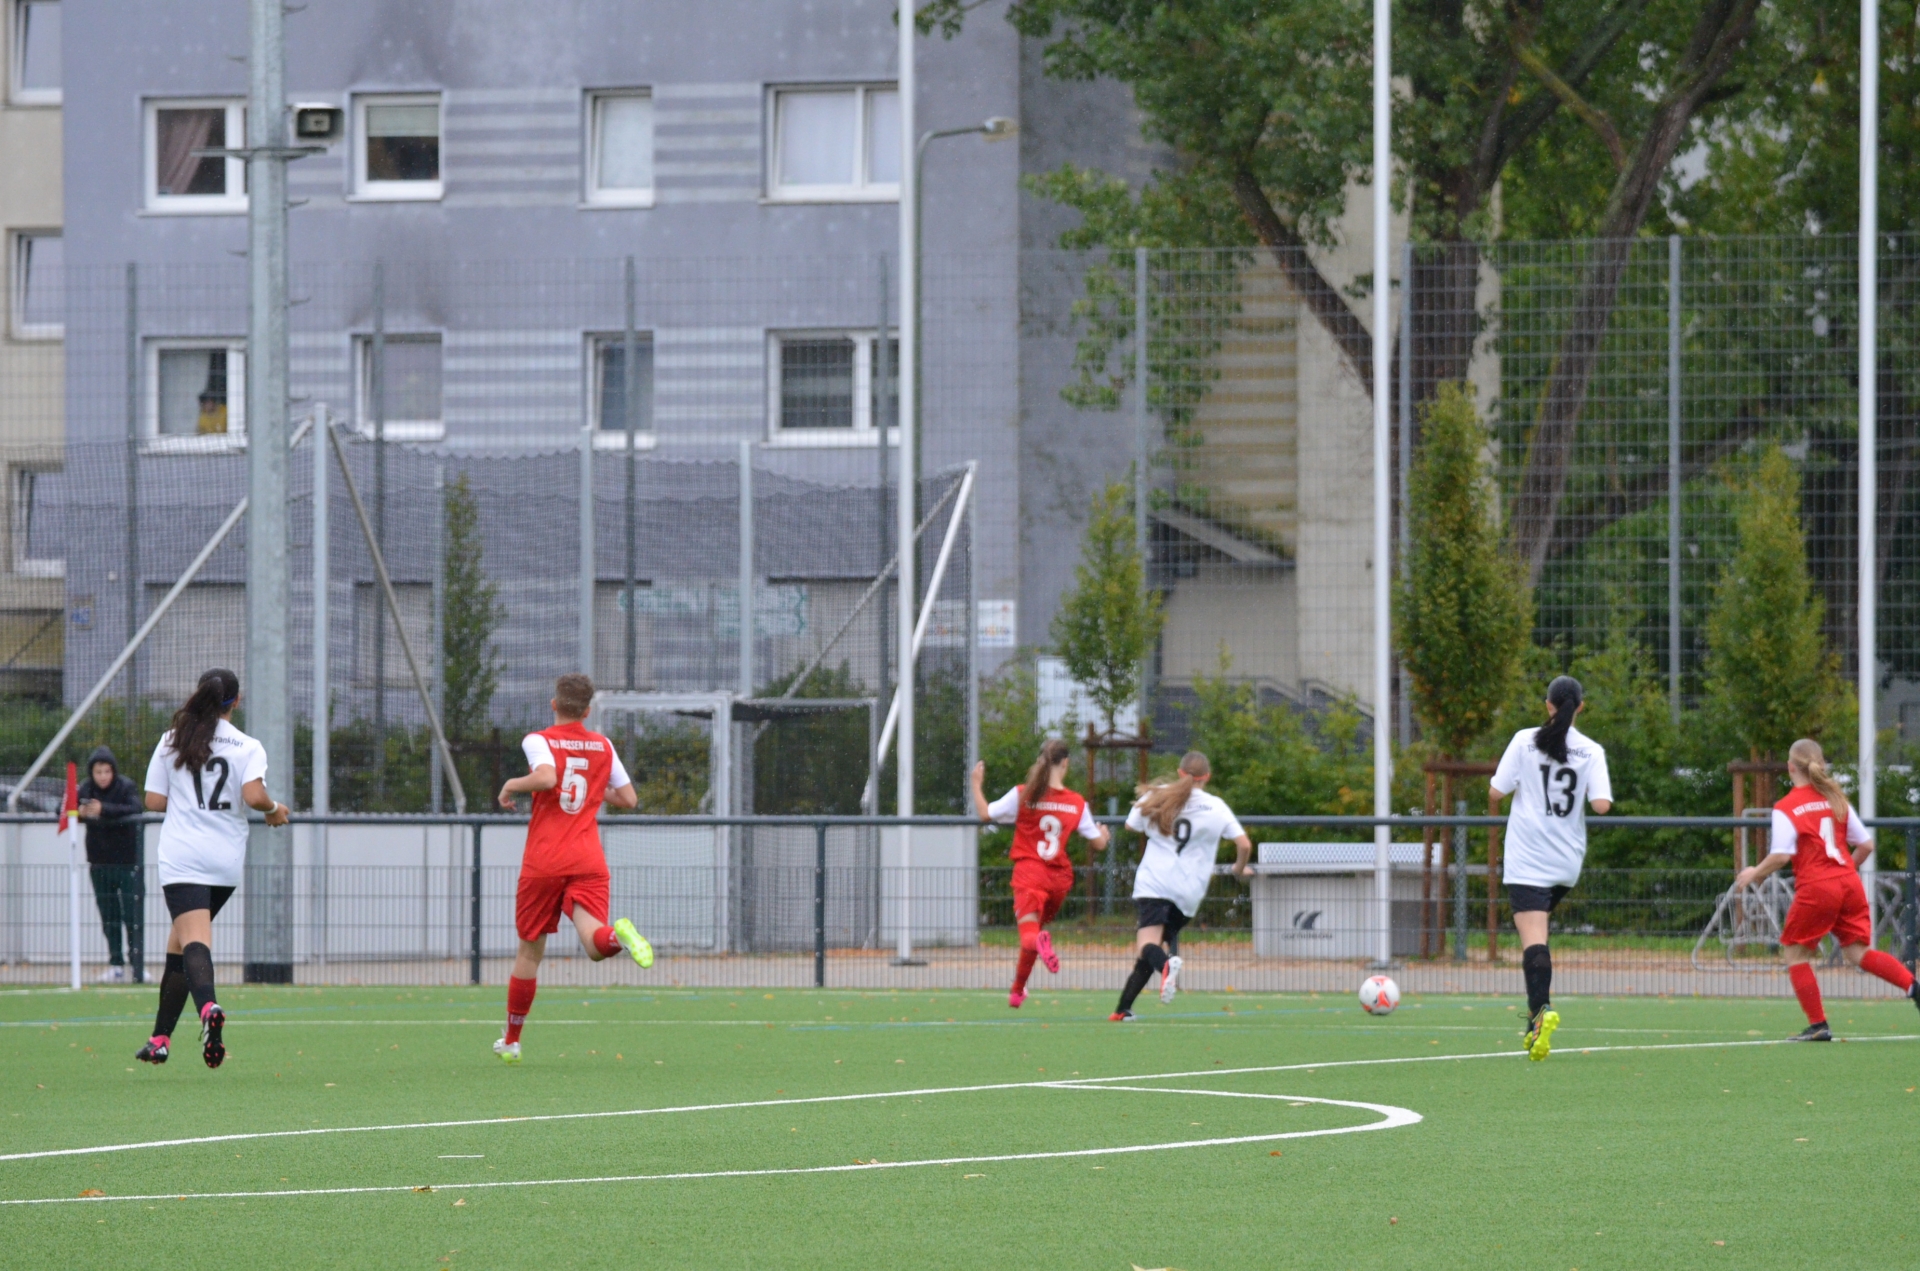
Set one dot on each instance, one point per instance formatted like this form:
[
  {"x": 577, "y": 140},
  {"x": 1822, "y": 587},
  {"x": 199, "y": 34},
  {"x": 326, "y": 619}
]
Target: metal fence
[{"x": 772, "y": 902}]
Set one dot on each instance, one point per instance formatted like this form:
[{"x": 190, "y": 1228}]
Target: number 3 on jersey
[
  {"x": 1051, "y": 832},
  {"x": 573, "y": 786}
]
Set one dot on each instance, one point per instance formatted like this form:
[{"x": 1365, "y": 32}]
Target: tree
[
  {"x": 474, "y": 613},
  {"x": 1107, "y": 621},
  {"x": 1463, "y": 613},
  {"x": 1770, "y": 676}
]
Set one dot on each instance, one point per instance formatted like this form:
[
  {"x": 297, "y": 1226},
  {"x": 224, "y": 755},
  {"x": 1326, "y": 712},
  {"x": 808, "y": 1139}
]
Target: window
[
  {"x": 410, "y": 403},
  {"x": 823, "y": 385},
  {"x": 610, "y": 388},
  {"x": 26, "y": 560},
  {"x": 196, "y": 394},
  {"x": 620, "y": 150},
  {"x": 397, "y": 151},
  {"x": 34, "y": 77},
  {"x": 39, "y": 298},
  {"x": 836, "y": 144},
  {"x": 181, "y": 176},
  {"x": 370, "y": 609}
]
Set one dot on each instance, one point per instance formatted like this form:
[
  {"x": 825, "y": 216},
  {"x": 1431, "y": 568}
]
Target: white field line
[
  {"x": 855, "y": 1098},
  {"x": 1392, "y": 1118}
]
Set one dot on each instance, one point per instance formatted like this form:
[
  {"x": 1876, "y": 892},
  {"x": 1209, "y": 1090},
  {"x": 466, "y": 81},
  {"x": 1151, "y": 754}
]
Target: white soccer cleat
[
  {"x": 508, "y": 1051},
  {"x": 1168, "y": 980},
  {"x": 113, "y": 975}
]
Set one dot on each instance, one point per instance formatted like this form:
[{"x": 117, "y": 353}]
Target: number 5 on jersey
[{"x": 573, "y": 786}]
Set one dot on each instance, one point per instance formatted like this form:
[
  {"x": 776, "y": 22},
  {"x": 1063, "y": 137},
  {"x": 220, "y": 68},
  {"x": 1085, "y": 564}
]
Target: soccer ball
[{"x": 1379, "y": 995}]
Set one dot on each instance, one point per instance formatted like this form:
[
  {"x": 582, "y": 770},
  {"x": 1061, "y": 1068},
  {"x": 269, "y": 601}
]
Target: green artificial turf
[{"x": 1735, "y": 1156}]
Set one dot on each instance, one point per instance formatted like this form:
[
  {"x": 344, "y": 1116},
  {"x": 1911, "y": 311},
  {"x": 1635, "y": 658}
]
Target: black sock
[
  {"x": 1151, "y": 959},
  {"x": 1537, "y": 964},
  {"x": 173, "y": 995},
  {"x": 199, "y": 963}
]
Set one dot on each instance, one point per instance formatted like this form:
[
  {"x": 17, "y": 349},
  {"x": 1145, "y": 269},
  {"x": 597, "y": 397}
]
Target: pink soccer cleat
[
  {"x": 1016, "y": 997},
  {"x": 1048, "y": 958}
]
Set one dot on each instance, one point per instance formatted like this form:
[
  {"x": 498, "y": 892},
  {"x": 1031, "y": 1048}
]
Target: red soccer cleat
[
  {"x": 1120, "y": 1017},
  {"x": 1048, "y": 958},
  {"x": 1016, "y": 997}
]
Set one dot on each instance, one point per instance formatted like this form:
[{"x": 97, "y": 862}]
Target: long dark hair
[
  {"x": 1565, "y": 696},
  {"x": 1162, "y": 802},
  {"x": 1052, "y": 754},
  {"x": 195, "y": 722}
]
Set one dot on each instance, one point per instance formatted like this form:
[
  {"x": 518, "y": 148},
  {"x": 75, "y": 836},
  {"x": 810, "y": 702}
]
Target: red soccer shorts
[
  {"x": 1040, "y": 891},
  {"x": 1838, "y": 905},
  {"x": 541, "y": 903}
]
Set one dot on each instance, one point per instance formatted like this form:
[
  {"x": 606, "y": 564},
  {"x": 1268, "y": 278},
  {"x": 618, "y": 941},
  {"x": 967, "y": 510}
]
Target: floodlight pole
[
  {"x": 1869, "y": 495},
  {"x": 909, "y": 370},
  {"x": 1382, "y": 486},
  {"x": 269, "y": 918}
]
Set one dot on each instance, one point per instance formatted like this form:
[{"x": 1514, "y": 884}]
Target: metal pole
[
  {"x": 75, "y": 857},
  {"x": 322, "y": 676},
  {"x": 973, "y": 644},
  {"x": 820, "y": 905},
  {"x": 630, "y": 384},
  {"x": 1913, "y": 900},
  {"x": 909, "y": 465},
  {"x": 131, "y": 563},
  {"x": 1673, "y": 478},
  {"x": 588, "y": 563},
  {"x": 437, "y": 650},
  {"x": 880, "y": 424},
  {"x": 1142, "y": 460},
  {"x": 377, "y": 389},
  {"x": 269, "y": 918},
  {"x": 746, "y": 569},
  {"x": 1869, "y": 495},
  {"x": 1460, "y": 884},
  {"x": 473, "y": 919},
  {"x": 1403, "y": 707},
  {"x": 1382, "y": 488}
]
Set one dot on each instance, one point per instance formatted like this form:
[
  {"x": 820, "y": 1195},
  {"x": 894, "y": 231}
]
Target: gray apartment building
[{"x": 462, "y": 289}]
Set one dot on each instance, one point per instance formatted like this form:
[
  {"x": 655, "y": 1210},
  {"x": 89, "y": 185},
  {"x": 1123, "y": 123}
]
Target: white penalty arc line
[
  {"x": 870, "y": 1095},
  {"x": 1391, "y": 1118}
]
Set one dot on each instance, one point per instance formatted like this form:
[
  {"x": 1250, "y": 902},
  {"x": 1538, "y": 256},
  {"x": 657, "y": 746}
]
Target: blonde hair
[
  {"x": 1162, "y": 802},
  {"x": 1813, "y": 761},
  {"x": 1052, "y": 754}
]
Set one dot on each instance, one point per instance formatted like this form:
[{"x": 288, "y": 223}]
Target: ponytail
[
  {"x": 1813, "y": 761},
  {"x": 195, "y": 722},
  {"x": 1052, "y": 755},
  {"x": 1162, "y": 803},
  {"x": 1565, "y": 696}
]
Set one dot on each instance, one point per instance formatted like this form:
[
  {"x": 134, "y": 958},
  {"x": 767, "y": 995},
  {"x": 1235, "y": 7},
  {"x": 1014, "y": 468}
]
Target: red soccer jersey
[
  {"x": 1040, "y": 830},
  {"x": 563, "y": 837},
  {"x": 1820, "y": 846}
]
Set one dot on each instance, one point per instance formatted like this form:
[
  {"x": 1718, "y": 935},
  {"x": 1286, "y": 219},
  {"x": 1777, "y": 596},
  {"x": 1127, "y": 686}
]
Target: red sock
[
  {"x": 605, "y": 943},
  {"x": 1807, "y": 988},
  {"x": 1888, "y": 968},
  {"x": 1029, "y": 953},
  {"x": 519, "y": 1002}
]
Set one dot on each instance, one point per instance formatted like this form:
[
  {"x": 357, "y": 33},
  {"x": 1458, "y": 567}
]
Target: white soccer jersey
[
  {"x": 1179, "y": 866},
  {"x": 204, "y": 836},
  {"x": 1547, "y": 829}
]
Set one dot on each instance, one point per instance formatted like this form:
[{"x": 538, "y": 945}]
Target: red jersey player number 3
[{"x": 571, "y": 771}]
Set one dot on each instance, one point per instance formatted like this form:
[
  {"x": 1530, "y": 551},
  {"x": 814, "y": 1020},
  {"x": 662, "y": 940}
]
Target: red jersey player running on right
[
  {"x": 1042, "y": 813},
  {"x": 1827, "y": 895},
  {"x": 563, "y": 872}
]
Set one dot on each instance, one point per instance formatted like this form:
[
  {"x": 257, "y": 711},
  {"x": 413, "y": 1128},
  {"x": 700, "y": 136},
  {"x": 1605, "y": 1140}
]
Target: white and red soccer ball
[{"x": 1379, "y": 995}]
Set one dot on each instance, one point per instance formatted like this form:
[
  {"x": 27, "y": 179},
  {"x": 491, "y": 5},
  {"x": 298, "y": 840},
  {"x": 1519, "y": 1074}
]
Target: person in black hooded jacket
[{"x": 113, "y": 855}]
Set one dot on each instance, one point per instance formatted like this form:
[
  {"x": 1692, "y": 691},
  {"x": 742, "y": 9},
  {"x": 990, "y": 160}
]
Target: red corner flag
[{"x": 71, "y": 804}]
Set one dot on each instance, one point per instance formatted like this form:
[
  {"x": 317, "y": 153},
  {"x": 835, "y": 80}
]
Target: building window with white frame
[
  {"x": 835, "y": 144},
  {"x": 823, "y": 384},
  {"x": 33, "y": 77},
  {"x": 181, "y": 175},
  {"x": 620, "y": 149},
  {"x": 27, "y": 561},
  {"x": 397, "y": 146},
  {"x": 609, "y": 354},
  {"x": 405, "y": 389},
  {"x": 39, "y": 290},
  {"x": 196, "y": 394}
]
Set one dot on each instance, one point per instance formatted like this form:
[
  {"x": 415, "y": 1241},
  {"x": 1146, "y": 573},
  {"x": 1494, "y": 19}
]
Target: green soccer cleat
[
  {"x": 1540, "y": 1036},
  {"x": 508, "y": 1051},
  {"x": 633, "y": 942}
]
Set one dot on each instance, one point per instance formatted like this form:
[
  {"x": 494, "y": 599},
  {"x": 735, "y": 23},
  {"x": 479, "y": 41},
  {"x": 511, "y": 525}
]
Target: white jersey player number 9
[
  {"x": 573, "y": 786},
  {"x": 1051, "y": 832}
]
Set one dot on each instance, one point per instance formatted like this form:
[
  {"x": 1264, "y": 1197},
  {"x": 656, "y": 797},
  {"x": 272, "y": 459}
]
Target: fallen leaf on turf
[
  {"x": 1393, "y": 1222},
  {"x": 1721, "y": 1243},
  {"x": 423, "y": 1189},
  {"x": 1799, "y": 1140},
  {"x": 460, "y": 1202},
  {"x": 973, "y": 1176},
  {"x": 92, "y": 1191},
  {"x": 1273, "y": 1153}
]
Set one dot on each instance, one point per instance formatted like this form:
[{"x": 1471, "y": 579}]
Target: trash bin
[{"x": 1316, "y": 900}]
